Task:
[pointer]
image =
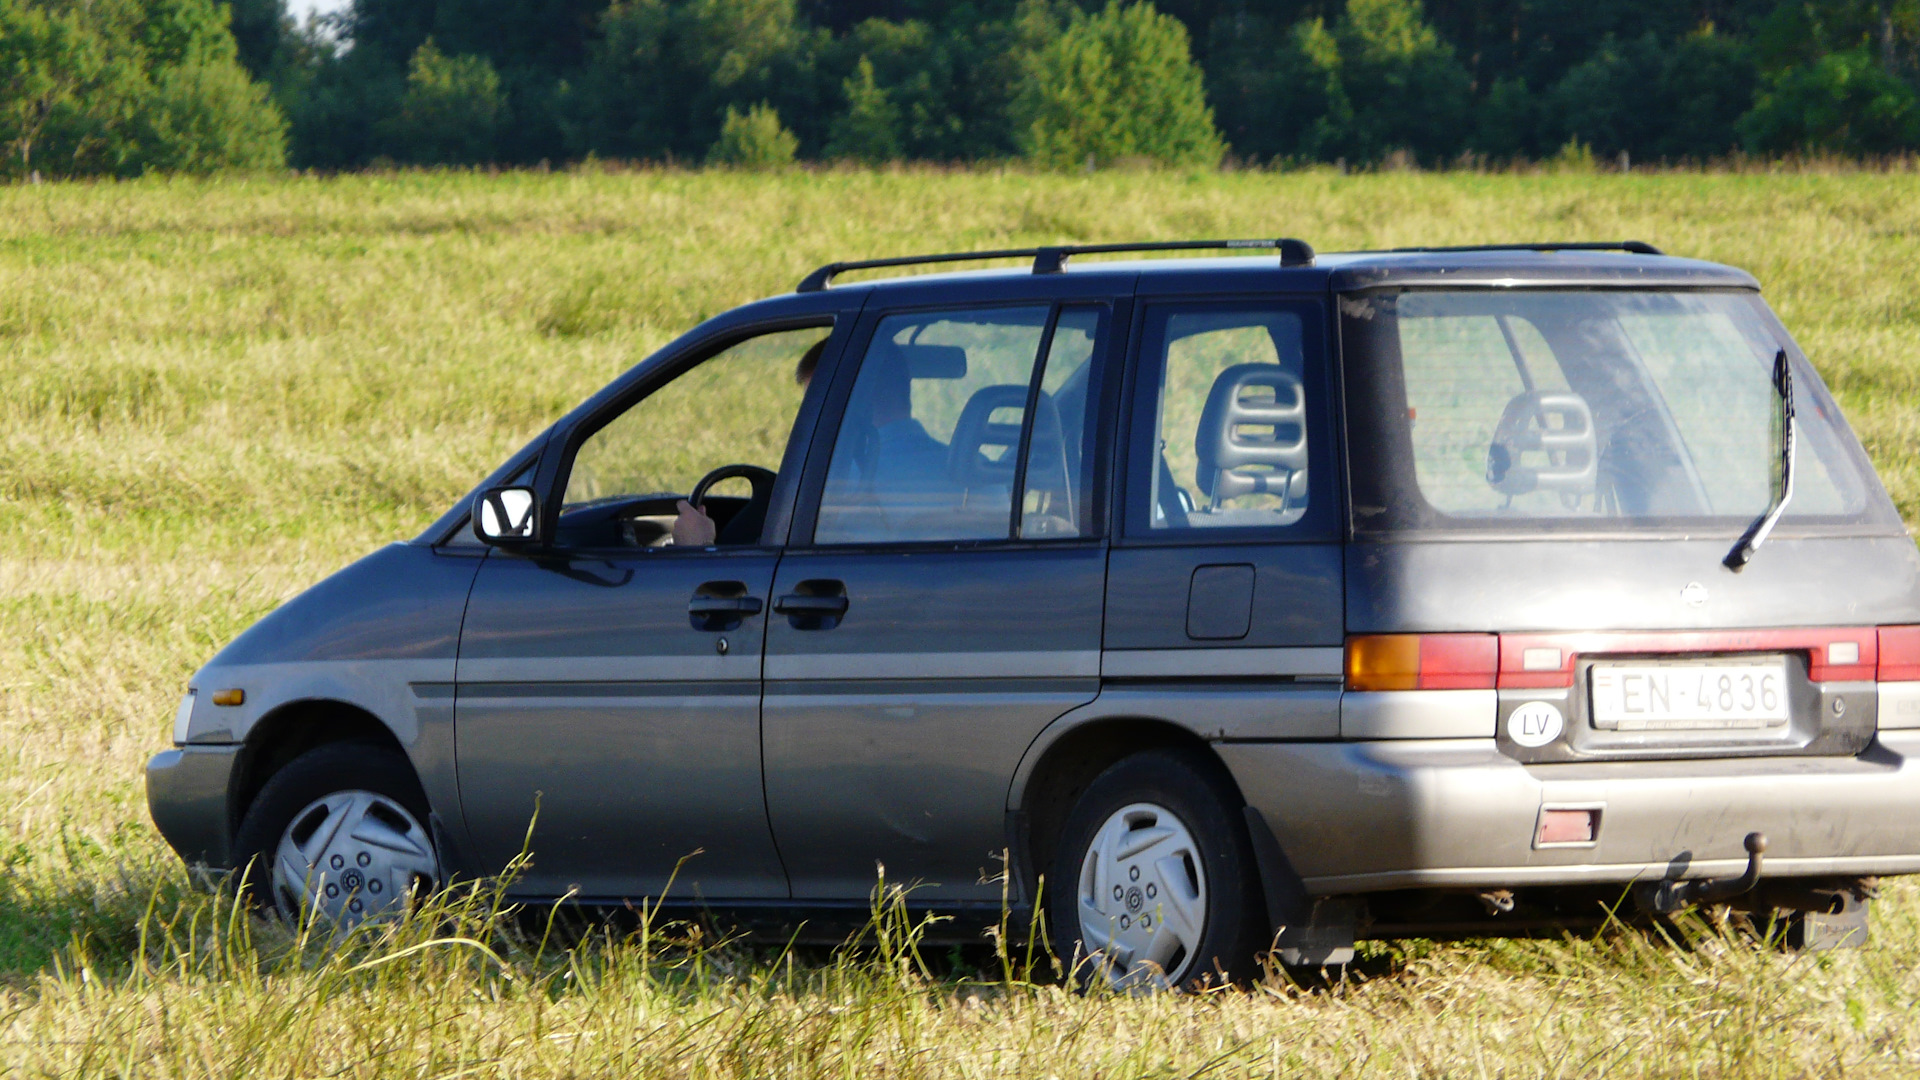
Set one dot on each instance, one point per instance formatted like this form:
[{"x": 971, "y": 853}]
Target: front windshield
[{"x": 1584, "y": 410}]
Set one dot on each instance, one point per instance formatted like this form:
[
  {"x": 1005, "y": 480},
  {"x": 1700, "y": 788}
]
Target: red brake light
[{"x": 1899, "y": 654}]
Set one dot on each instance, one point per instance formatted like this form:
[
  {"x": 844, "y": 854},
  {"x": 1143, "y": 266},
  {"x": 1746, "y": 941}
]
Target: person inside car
[{"x": 693, "y": 527}]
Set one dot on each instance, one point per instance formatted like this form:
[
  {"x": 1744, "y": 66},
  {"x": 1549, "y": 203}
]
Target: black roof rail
[
  {"x": 1053, "y": 260},
  {"x": 1637, "y": 247}
]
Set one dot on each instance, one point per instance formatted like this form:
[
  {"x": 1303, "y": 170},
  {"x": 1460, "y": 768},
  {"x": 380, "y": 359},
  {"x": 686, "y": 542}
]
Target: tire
[
  {"x": 342, "y": 828},
  {"x": 1181, "y": 912}
]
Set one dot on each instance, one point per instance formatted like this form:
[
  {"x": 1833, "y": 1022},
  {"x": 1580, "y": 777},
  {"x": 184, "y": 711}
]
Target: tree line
[{"x": 122, "y": 87}]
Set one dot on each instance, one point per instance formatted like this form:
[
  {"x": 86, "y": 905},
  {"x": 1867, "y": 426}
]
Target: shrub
[
  {"x": 202, "y": 118},
  {"x": 753, "y": 140}
]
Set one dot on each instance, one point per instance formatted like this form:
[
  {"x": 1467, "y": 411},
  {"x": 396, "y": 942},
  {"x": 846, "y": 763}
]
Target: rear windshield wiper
[{"x": 1756, "y": 533}]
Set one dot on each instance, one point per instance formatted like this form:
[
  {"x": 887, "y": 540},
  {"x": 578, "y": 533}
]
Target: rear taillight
[
  {"x": 1899, "y": 654},
  {"x": 1422, "y": 661}
]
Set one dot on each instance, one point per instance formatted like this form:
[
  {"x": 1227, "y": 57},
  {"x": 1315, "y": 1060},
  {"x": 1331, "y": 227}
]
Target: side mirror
[{"x": 507, "y": 517}]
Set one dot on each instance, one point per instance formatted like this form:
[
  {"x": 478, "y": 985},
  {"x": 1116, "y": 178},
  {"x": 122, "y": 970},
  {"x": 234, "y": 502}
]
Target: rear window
[{"x": 1604, "y": 411}]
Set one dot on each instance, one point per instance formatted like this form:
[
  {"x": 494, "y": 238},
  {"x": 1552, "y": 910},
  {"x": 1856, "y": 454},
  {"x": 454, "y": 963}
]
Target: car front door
[
  {"x": 609, "y": 688},
  {"x": 1229, "y": 569},
  {"x": 947, "y": 603}
]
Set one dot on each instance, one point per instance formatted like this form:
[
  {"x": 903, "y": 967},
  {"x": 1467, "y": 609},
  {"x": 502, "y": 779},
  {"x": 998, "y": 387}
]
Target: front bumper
[
  {"x": 187, "y": 796},
  {"x": 1369, "y": 816}
]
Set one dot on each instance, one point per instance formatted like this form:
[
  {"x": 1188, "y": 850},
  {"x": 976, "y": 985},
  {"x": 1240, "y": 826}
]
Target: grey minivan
[{"x": 1234, "y": 605}]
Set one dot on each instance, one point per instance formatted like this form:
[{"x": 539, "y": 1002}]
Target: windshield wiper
[{"x": 1756, "y": 533}]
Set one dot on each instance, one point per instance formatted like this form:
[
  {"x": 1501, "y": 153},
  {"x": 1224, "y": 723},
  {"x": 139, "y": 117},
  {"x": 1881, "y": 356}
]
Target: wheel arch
[
  {"x": 292, "y": 729},
  {"x": 1067, "y": 757}
]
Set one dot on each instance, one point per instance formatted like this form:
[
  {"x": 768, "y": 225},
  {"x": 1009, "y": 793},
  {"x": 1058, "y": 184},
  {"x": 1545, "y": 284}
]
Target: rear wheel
[
  {"x": 1153, "y": 885},
  {"x": 341, "y": 832}
]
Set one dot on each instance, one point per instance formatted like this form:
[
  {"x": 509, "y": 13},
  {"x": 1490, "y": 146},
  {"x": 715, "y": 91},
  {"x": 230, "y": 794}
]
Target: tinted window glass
[
  {"x": 930, "y": 438},
  {"x": 736, "y": 408},
  {"x": 1231, "y": 421},
  {"x": 1615, "y": 410},
  {"x": 1057, "y": 496}
]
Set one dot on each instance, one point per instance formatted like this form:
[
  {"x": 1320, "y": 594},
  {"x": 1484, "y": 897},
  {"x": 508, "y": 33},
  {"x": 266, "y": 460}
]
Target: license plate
[{"x": 1684, "y": 695}]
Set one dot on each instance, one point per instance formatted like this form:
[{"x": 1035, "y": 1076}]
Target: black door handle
[
  {"x": 815, "y": 606},
  {"x": 724, "y": 605},
  {"x": 721, "y": 605}
]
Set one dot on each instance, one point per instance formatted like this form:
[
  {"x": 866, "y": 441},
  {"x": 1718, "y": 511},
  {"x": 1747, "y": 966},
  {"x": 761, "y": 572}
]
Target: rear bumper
[
  {"x": 1369, "y": 816},
  {"x": 187, "y": 796}
]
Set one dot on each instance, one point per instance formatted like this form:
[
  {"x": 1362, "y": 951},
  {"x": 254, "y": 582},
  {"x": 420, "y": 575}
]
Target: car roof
[{"x": 1488, "y": 267}]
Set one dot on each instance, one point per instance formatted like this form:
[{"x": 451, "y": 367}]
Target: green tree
[
  {"x": 869, "y": 130},
  {"x": 1120, "y": 84},
  {"x": 754, "y": 139},
  {"x": 1408, "y": 90},
  {"x": 122, "y": 87},
  {"x": 262, "y": 31},
  {"x": 1379, "y": 79},
  {"x": 1842, "y": 103},
  {"x": 46, "y": 61},
  {"x": 666, "y": 73},
  {"x": 450, "y": 113}
]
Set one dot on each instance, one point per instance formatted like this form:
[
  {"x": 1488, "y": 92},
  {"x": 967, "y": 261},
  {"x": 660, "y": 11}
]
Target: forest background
[{"x": 125, "y": 87}]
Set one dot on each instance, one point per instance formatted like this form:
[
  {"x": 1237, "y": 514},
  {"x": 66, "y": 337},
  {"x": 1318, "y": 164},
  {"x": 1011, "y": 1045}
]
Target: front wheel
[
  {"x": 340, "y": 832},
  {"x": 1153, "y": 885}
]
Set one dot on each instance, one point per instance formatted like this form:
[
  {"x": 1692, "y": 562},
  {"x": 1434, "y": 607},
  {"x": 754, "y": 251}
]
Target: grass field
[{"x": 211, "y": 395}]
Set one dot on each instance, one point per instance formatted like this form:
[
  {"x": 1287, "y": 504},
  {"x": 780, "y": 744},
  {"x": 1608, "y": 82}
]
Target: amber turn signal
[
  {"x": 230, "y": 697},
  {"x": 1383, "y": 662},
  {"x": 1422, "y": 661}
]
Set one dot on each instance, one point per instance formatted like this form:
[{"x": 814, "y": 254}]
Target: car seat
[{"x": 1248, "y": 445}]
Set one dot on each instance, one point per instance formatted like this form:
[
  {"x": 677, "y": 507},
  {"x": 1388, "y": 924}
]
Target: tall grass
[{"x": 212, "y": 394}]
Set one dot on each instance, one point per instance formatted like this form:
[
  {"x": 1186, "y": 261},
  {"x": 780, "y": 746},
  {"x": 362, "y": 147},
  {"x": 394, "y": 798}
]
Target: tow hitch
[{"x": 1671, "y": 896}]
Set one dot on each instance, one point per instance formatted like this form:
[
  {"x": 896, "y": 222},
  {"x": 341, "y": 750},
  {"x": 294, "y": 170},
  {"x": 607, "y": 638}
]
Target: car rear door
[
  {"x": 923, "y": 632},
  {"x": 1224, "y": 594}
]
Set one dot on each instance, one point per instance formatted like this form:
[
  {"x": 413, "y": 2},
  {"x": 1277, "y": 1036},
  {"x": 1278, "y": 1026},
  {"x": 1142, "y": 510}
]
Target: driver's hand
[{"x": 693, "y": 528}]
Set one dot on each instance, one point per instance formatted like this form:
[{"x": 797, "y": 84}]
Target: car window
[
  {"x": 1670, "y": 410},
  {"x": 735, "y": 408},
  {"x": 1230, "y": 420},
  {"x": 1568, "y": 410},
  {"x": 930, "y": 440},
  {"x": 1056, "y": 497}
]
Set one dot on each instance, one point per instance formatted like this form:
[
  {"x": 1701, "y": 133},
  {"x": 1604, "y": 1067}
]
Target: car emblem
[{"x": 1694, "y": 595}]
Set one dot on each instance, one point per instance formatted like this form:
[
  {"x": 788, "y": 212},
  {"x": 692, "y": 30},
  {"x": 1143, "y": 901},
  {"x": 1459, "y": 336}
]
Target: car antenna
[{"x": 1756, "y": 533}]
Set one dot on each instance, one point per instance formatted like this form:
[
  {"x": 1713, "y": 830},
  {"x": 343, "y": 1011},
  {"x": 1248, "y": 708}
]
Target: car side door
[
  {"x": 1225, "y": 606},
  {"x": 941, "y": 601},
  {"x": 608, "y": 702}
]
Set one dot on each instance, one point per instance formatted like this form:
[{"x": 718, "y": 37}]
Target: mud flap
[{"x": 1308, "y": 931}]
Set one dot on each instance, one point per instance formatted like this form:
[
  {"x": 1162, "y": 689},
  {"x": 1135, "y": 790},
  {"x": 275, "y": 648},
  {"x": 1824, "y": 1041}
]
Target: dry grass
[{"x": 212, "y": 394}]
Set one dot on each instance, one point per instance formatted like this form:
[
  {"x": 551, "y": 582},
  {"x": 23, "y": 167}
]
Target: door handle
[
  {"x": 724, "y": 605},
  {"x": 814, "y": 605},
  {"x": 721, "y": 605}
]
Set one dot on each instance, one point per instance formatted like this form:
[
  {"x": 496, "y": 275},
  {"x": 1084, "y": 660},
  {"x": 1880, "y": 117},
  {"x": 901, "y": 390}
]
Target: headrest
[{"x": 1253, "y": 432}]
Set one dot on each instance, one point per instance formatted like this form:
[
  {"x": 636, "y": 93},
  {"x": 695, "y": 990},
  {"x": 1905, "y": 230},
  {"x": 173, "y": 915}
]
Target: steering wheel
[{"x": 761, "y": 479}]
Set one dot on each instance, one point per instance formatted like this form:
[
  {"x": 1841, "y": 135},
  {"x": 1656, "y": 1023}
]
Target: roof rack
[
  {"x": 1053, "y": 260},
  {"x": 1637, "y": 247}
]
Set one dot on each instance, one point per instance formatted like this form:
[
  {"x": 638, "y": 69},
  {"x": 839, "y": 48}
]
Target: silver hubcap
[
  {"x": 351, "y": 856},
  {"x": 1142, "y": 898}
]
